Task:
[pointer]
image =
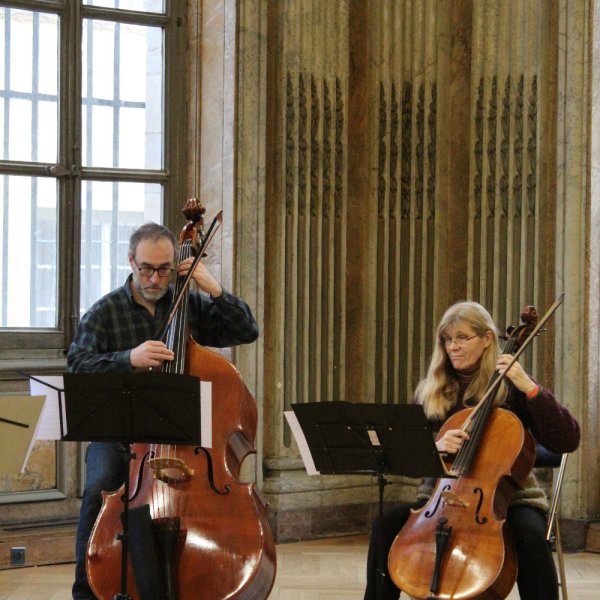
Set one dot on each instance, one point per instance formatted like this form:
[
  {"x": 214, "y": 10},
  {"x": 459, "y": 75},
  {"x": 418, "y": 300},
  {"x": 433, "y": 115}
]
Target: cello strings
[{"x": 467, "y": 451}]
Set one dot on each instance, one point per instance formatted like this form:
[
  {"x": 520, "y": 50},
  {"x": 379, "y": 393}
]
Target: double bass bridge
[{"x": 170, "y": 469}]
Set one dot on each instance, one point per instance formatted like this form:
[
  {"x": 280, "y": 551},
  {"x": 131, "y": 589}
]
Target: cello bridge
[
  {"x": 169, "y": 469},
  {"x": 453, "y": 500}
]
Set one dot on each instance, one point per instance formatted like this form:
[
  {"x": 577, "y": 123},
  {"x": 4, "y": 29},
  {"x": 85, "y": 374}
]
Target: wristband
[{"x": 533, "y": 393}]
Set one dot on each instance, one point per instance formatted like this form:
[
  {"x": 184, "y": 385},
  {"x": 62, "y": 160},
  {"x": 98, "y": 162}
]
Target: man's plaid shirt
[{"x": 116, "y": 324}]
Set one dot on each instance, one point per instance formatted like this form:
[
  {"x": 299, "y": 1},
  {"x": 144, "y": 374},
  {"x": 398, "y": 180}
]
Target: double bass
[
  {"x": 209, "y": 537},
  {"x": 457, "y": 546}
]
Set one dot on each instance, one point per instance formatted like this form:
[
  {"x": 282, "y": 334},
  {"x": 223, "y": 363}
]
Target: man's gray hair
[{"x": 153, "y": 232}]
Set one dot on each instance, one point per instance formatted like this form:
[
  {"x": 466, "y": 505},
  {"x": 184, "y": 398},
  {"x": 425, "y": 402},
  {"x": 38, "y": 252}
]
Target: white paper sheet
[
  {"x": 298, "y": 434},
  {"x": 49, "y": 423},
  {"x": 206, "y": 414}
]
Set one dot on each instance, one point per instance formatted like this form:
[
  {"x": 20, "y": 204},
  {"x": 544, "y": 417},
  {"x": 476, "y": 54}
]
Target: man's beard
[{"x": 152, "y": 294}]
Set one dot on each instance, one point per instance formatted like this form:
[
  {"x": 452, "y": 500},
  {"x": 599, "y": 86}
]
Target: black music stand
[
  {"x": 373, "y": 439},
  {"x": 161, "y": 408}
]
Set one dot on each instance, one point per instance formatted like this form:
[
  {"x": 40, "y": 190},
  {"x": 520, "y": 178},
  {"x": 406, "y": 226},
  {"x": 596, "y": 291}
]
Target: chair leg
[{"x": 561, "y": 563}]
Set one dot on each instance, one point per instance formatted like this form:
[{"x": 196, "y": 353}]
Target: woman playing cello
[{"x": 465, "y": 357}]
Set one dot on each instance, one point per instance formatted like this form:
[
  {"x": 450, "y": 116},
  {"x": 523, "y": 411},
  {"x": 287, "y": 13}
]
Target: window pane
[
  {"x": 141, "y": 5},
  {"x": 28, "y": 264},
  {"x": 122, "y": 95},
  {"x": 110, "y": 213},
  {"x": 19, "y": 124},
  {"x": 29, "y": 86}
]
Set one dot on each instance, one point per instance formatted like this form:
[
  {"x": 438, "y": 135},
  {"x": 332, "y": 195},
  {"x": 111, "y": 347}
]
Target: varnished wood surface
[{"x": 331, "y": 569}]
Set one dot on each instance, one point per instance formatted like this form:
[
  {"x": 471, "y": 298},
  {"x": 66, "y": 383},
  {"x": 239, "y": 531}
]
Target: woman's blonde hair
[{"x": 439, "y": 390}]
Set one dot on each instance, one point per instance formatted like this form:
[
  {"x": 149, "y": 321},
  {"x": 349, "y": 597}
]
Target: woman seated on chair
[{"x": 464, "y": 359}]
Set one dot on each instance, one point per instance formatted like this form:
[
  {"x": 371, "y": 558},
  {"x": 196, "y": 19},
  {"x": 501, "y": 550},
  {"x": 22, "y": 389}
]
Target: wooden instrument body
[
  {"x": 479, "y": 561},
  {"x": 225, "y": 548}
]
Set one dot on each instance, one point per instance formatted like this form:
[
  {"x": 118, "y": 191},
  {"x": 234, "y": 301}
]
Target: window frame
[{"x": 23, "y": 348}]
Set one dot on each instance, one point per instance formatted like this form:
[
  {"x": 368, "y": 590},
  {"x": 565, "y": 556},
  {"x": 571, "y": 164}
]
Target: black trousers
[{"x": 536, "y": 580}]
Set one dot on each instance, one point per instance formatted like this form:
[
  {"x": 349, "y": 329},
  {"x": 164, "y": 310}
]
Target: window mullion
[{"x": 70, "y": 153}]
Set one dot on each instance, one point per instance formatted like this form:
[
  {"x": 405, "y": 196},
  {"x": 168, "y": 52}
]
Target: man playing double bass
[
  {"x": 465, "y": 357},
  {"x": 118, "y": 333}
]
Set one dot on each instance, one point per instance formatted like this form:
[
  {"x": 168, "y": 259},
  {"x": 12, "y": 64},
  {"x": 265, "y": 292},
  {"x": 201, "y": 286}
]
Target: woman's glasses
[{"x": 459, "y": 340}]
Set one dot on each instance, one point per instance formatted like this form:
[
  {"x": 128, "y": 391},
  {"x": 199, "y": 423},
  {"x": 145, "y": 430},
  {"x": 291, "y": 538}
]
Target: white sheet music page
[
  {"x": 49, "y": 423},
  {"x": 298, "y": 434},
  {"x": 206, "y": 414}
]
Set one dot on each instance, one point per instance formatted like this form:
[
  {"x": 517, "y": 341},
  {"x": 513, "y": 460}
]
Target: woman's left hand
[{"x": 516, "y": 373}]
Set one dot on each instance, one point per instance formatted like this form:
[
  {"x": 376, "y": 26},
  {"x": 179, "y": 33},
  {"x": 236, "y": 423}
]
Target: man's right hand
[{"x": 150, "y": 355}]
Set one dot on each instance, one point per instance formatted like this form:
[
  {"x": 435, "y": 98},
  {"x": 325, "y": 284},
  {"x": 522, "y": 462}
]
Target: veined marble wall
[
  {"x": 577, "y": 26},
  {"x": 590, "y": 411},
  {"x": 389, "y": 159}
]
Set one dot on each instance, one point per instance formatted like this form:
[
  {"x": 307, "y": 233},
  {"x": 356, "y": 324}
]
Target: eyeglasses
[
  {"x": 459, "y": 340},
  {"x": 149, "y": 271}
]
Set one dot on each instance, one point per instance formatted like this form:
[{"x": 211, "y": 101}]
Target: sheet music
[
  {"x": 49, "y": 424},
  {"x": 206, "y": 414},
  {"x": 298, "y": 434}
]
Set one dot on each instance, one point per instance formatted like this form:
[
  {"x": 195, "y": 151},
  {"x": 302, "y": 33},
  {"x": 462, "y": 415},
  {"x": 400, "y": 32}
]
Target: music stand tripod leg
[
  {"x": 381, "y": 572},
  {"x": 381, "y": 482}
]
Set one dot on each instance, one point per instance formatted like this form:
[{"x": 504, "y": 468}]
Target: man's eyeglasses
[
  {"x": 149, "y": 271},
  {"x": 459, "y": 340}
]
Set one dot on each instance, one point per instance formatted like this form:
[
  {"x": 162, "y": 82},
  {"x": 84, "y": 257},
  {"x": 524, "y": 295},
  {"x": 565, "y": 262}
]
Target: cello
[
  {"x": 457, "y": 546},
  {"x": 209, "y": 537}
]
